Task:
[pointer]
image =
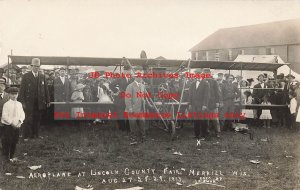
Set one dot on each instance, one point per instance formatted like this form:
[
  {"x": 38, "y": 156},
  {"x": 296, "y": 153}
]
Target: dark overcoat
[{"x": 28, "y": 92}]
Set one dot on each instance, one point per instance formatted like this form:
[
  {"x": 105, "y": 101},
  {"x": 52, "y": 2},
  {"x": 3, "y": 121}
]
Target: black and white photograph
[{"x": 149, "y": 94}]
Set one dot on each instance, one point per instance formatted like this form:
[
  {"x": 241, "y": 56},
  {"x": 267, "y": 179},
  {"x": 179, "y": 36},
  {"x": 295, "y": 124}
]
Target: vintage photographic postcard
[{"x": 142, "y": 94}]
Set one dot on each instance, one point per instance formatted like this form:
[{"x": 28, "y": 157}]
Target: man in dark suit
[
  {"x": 214, "y": 101},
  {"x": 199, "y": 93},
  {"x": 62, "y": 90},
  {"x": 62, "y": 87},
  {"x": 119, "y": 86},
  {"x": 229, "y": 93},
  {"x": 286, "y": 100},
  {"x": 34, "y": 96},
  {"x": 258, "y": 94},
  {"x": 3, "y": 98}
]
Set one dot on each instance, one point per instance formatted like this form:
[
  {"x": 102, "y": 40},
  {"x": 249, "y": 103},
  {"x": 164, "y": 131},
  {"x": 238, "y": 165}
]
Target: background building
[{"x": 276, "y": 38}]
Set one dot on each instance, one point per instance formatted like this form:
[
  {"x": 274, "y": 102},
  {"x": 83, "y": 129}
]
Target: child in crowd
[
  {"x": 12, "y": 118},
  {"x": 266, "y": 114},
  {"x": 293, "y": 109},
  {"x": 248, "y": 113},
  {"x": 77, "y": 96}
]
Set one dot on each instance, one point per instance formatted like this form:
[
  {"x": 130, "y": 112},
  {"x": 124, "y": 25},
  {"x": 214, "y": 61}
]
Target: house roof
[{"x": 266, "y": 34}]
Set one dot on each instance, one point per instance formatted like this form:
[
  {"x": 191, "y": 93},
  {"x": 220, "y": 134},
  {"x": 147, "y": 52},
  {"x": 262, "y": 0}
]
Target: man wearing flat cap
[{"x": 34, "y": 96}]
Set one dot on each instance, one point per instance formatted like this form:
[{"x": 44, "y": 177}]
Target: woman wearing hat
[{"x": 77, "y": 96}]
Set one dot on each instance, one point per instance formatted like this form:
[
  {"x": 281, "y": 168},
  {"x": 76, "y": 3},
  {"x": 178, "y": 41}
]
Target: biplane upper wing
[{"x": 93, "y": 61}]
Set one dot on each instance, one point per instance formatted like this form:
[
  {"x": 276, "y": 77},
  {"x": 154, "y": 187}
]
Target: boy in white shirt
[
  {"x": 293, "y": 109},
  {"x": 12, "y": 118}
]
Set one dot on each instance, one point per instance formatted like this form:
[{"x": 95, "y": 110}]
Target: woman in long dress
[{"x": 103, "y": 97}]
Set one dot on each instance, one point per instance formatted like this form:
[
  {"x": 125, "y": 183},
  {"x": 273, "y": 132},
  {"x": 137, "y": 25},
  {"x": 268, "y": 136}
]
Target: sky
[{"x": 115, "y": 28}]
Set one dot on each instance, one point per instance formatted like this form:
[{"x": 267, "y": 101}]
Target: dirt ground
[{"x": 110, "y": 162}]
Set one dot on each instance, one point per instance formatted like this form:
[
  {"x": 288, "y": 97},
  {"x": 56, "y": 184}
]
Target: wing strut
[
  {"x": 150, "y": 99},
  {"x": 182, "y": 91}
]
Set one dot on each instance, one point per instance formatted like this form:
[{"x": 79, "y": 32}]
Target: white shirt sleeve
[{"x": 6, "y": 119}]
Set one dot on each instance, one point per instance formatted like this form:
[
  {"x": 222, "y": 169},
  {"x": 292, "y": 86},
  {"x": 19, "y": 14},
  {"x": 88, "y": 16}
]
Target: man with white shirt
[
  {"x": 62, "y": 87},
  {"x": 62, "y": 91},
  {"x": 34, "y": 96},
  {"x": 199, "y": 93}
]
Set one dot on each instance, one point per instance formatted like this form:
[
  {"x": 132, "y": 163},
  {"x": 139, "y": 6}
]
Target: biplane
[{"x": 172, "y": 106}]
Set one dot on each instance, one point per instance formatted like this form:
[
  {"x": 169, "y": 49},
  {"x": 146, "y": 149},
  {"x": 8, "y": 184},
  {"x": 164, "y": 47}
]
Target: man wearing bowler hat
[{"x": 34, "y": 96}]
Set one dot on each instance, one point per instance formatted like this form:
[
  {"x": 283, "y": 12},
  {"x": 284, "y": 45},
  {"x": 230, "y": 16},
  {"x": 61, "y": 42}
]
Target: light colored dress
[
  {"x": 265, "y": 114},
  {"x": 77, "y": 96},
  {"x": 103, "y": 96},
  {"x": 248, "y": 112}
]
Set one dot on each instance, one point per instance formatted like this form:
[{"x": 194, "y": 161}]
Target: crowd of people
[{"x": 224, "y": 94}]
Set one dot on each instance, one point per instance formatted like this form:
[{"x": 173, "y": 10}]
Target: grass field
[{"x": 221, "y": 163}]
